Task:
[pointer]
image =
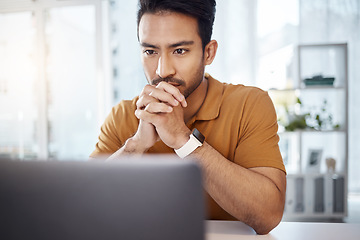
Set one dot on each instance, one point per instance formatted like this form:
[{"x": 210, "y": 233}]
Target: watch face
[{"x": 198, "y": 135}]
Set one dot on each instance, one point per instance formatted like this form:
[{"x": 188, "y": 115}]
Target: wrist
[
  {"x": 132, "y": 145},
  {"x": 183, "y": 139},
  {"x": 195, "y": 140}
]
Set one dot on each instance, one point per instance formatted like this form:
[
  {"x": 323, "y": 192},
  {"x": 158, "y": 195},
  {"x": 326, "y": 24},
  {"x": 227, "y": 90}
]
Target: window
[
  {"x": 51, "y": 83},
  {"x": 71, "y": 78},
  {"x": 128, "y": 77},
  {"x": 18, "y": 86}
]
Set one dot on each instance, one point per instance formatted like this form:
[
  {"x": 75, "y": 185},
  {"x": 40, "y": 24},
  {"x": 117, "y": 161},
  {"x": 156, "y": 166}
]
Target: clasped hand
[{"x": 161, "y": 114}]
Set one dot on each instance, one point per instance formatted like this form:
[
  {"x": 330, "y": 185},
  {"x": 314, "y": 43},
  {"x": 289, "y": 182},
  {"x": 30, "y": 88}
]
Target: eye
[
  {"x": 149, "y": 52},
  {"x": 180, "y": 51}
]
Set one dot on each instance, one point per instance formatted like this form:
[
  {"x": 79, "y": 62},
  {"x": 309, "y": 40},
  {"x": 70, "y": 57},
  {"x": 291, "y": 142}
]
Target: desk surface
[{"x": 231, "y": 230}]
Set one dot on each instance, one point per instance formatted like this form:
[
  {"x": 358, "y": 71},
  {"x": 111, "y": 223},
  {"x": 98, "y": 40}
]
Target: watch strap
[{"x": 196, "y": 140}]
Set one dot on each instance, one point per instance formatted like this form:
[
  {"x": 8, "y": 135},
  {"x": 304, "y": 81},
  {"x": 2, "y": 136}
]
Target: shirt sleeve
[
  {"x": 118, "y": 126},
  {"x": 258, "y": 142}
]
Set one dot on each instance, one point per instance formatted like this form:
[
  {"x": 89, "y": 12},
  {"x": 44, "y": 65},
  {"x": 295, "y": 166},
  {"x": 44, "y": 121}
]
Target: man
[{"x": 243, "y": 171}]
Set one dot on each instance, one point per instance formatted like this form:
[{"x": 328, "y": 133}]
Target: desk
[{"x": 232, "y": 230}]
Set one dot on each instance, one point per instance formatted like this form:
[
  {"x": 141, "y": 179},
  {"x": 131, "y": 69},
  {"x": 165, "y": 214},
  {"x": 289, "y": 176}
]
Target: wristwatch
[{"x": 196, "y": 140}]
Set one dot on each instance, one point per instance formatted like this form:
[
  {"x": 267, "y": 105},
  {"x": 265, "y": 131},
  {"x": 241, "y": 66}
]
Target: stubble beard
[{"x": 195, "y": 83}]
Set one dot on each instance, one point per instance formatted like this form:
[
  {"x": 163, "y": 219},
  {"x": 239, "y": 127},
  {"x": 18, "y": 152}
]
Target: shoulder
[
  {"x": 236, "y": 92},
  {"x": 125, "y": 107},
  {"x": 246, "y": 97},
  {"x": 243, "y": 92},
  {"x": 123, "y": 114},
  {"x": 237, "y": 100},
  {"x": 118, "y": 126}
]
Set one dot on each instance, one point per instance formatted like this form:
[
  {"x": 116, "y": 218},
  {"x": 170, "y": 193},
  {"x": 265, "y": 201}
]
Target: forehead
[{"x": 167, "y": 28}]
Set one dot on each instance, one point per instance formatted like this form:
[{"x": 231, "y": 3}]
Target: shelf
[
  {"x": 316, "y": 196},
  {"x": 315, "y": 175},
  {"x": 309, "y": 154},
  {"x": 317, "y": 87},
  {"x": 312, "y": 216},
  {"x": 313, "y": 131},
  {"x": 321, "y": 87}
]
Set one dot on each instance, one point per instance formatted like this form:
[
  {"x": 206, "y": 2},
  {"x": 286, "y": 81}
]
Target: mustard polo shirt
[{"x": 238, "y": 121}]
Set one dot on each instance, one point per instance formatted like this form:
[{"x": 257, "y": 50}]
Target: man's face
[{"x": 171, "y": 50}]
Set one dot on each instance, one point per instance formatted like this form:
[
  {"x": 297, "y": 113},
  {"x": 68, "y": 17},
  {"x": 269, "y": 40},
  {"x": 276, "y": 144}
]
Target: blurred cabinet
[{"x": 312, "y": 108}]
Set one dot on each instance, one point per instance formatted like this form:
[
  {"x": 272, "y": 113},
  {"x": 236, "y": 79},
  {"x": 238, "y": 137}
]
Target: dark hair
[{"x": 202, "y": 10}]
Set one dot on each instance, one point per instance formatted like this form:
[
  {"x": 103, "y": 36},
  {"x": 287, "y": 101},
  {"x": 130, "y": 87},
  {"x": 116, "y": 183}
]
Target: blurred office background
[{"x": 65, "y": 63}]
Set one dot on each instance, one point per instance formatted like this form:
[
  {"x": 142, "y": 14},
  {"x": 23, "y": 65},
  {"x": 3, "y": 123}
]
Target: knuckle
[
  {"x": 147, "y": 89},
  {"x": 137, "y": 113},
  {"x": 161, "y": 84},
  {"x": 141, "y": 102}
]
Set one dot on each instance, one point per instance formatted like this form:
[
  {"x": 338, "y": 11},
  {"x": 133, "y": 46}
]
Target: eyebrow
[
  {"x": 182, "y": 43},
  {"x": 174, "y": 45}
]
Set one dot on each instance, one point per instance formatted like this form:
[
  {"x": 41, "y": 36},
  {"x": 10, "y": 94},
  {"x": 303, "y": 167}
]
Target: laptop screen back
[{"x": 148, "y": 198}]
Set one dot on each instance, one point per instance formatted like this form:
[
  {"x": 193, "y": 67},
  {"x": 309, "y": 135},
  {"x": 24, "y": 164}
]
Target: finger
[
  {"x": 147, "y": 89},
  {"x": 139, "y": 113},
  {"x": 145, "y": 116},
  {"x": 164, "y": 96},
  {"x": 175, "y": 92},
  {"x": 144, "y": 100},
  {"x": 155, "y": 107},
  {"x": 158, "y": 94}
]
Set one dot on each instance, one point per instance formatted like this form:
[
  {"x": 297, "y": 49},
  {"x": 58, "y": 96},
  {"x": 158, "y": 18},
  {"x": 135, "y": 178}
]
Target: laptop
[{"x": 152, "y": 197}]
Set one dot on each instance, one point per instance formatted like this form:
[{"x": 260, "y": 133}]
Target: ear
[{"x": 210, "y": 52}]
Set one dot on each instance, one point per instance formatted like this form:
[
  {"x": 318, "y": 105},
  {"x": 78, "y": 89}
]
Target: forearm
[
  {"x": 131, "y": 146},
  {"x": 248, "y": 195}
]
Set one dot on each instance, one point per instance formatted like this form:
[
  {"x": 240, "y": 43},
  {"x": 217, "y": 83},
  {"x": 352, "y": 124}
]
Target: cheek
[{"x": 190, "y": 66}]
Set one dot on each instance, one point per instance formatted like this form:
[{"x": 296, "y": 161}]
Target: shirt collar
[{"x": 211, "y": 107}]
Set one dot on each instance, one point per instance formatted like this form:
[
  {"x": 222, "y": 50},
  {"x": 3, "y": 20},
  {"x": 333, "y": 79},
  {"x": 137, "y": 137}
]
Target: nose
[{"x": 165, "y": 67}]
